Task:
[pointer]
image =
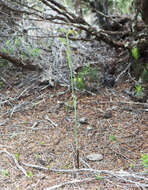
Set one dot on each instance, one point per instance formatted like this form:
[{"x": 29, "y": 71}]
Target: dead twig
[
  {"x": 53, "y": 123},
  {"x": 4, "y": 122},
  {"x": 124, "y": 175},
  {"x": 12, "y": 157},
  {"x": 126, "y": 178},
  {"x": 69, "y": 183},
  {"x": 5, "y": 146},
  {"x": 123, "y": 72}
]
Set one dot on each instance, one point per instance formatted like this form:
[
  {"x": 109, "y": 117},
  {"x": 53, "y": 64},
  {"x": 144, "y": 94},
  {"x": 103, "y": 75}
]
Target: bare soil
[{"x": 37, "y": 124}]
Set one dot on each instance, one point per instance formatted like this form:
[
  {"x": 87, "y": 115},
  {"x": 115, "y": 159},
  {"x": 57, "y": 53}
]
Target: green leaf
[
  {"x": 36, "y": 156},
  {"x": 139, "y": 90},
  {"x": 70, "y": 31},
  {"x": 8, "y": 42},
  {"x": 35, "y": 52},
  {"x": 17, "y": 42},
  {"x": 42, "y": 143},
  {"x": 145, "y": 157},
  {"x": 63, "y": 30},
  {"x": 113, "y": 138},
  {"x": 5, "y": 173},
  {"x": 98, "y": 177},
  {"x": 17, "y": 155},
  {"x": 4, "y": 50},
  {"x": 132, "y": 166},
  {"x": 1, "y": 84},
  {"x": 144, "y": 75},
  {"x": 135, "y": 53},
  {"x": 30, "y": 174},
  {"x": 145, "y": 160}
]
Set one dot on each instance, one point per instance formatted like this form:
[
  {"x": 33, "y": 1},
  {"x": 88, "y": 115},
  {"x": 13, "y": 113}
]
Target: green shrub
[
  {"x": 139, "y": 90},
  {"x": 87, "y": 79},
  {"x": 145, "y": 160},
  {"x": 144, "y": 75}
]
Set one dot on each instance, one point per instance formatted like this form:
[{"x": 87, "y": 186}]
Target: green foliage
[
  {"x": 24, "y": 55},
  {"x": 135, "y": 53},
  {"x": 68, "y": 105},
  {"x": 15, "y": 46},
  {"x": 145, "y": 160},
  {"x": 3, "y": 63},
  {"x": 49, "y": 160},
  {"x": 4, "y": 50},
  {"x": 99, "y": 177},
  {"x": 42, "y": 143},
  {"x": 18, "y": 42},
  {"x": 34, "y": 52},
  {"x": 67, "y": 166},
  {"x": 69, "y": 3},
  {"x": 113, "y": 138},
  {"x": 37, "y": 156},
  {"x": 30, "y": 174},
  {"x": 9, "y": 47},
  {"x": 79, "y": 83},
  {"x": 144, "y": 75},
  {"x": 5, "y": 173},
  {"x": 89, "y": 72},
  {"x": 17, "y": 155},
  {"x": 85, "y": 77},
  {"x": 123, "y": 5},
  {"x": 132, "y": 165},
  {"x": 110, "y": 6},
  {"x": 1, "y": 84},
  {"x": 139, "y": 90},
  {"x": 139, "y": 70}
]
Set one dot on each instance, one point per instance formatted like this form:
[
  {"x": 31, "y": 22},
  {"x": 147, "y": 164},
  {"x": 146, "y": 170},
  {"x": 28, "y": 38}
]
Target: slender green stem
[{"x": 74, "y": 100}]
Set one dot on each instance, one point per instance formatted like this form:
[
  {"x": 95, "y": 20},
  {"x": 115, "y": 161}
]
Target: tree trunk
[{"x": 144, "y": 10}]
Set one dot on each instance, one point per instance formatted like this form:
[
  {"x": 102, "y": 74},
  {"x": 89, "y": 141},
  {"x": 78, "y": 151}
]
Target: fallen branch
[
  {"x": 122, "y": 176},
  {"x": 19, "y": 63},
  {"x": 69, "y": 183},
  {"x": 15, "y": 160},
  {"x": 52, "y": 122}
]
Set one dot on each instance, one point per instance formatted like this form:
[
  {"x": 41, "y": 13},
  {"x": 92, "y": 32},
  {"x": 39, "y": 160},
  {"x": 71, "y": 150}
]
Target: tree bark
[{"x": 144, "y": 10}]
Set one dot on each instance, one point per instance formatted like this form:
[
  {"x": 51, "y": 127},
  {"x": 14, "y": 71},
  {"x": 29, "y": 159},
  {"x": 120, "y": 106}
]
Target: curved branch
[{"x": 19, "y": 63}]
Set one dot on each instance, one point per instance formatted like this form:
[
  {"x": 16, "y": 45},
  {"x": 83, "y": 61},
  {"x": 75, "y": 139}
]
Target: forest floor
[{"x": 37, "y": 128}]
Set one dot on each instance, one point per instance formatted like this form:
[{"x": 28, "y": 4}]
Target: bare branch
[
  {"x": 18, "y": 62},
  {"x": 69, "y": 183},
  {"x": 16, "y": 162},
  {"x": 122, "y": 176}
]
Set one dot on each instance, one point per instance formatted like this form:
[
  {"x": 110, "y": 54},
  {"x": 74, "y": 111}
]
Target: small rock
[
  {"x": 42, "y": 162},
  {"x": 89, "y": 128},
  {"x": 94, "y": 157},
  {"x": 107, "y": 115},
  {"x": 83, "y": 120}
]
